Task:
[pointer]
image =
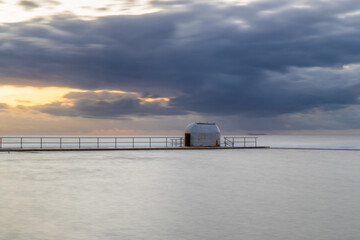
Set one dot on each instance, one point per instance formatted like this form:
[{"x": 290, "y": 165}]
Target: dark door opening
[{"x": 187, "y": 139}]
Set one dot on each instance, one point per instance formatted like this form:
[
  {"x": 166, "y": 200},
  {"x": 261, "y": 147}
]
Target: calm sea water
[{"x": 208, "y": 194}]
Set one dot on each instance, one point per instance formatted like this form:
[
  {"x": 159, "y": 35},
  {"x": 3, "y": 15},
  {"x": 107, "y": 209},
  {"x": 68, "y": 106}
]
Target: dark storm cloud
[
  {"x": 213, "y": 60},
  {"x": 106, "y": 105},
  {"x": 266, "y": 100},
  {"x": 169, "y": 3},
  {"x": 28, "y": 5}
]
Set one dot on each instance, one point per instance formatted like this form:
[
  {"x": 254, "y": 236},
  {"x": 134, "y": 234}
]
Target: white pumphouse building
[{"x": 202, "y": 135}]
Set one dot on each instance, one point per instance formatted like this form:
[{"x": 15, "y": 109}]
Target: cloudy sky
[{"x": 153, "y": 66}]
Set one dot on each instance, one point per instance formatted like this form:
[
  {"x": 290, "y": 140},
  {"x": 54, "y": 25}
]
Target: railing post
[
  {"x": 0, "y": 142},
  {"x": 97, "y": 142},
  {"x": 256, "y": 142},
  {"x": 21, "y": 140},
  {"x": 150, "y": 142},
  {"x": 41, "y": 140},
  {"x": 115, "y": 142},
  {"x": 166, "y": 141},
  {"x": 79, "y": 143},
  {"x": 244, "y": 142},
  {"x": 133, "y": 142},
  {"x": 60, "y": 143}
]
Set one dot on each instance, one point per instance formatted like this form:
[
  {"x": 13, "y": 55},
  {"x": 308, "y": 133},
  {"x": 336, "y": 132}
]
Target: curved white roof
[{"x": 202, "y": 128}]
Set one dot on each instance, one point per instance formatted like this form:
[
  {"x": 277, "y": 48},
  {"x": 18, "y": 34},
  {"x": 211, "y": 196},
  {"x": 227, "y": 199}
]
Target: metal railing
[
  {"x": 89, "y": 142},
  {"x": 85, "y": 142},
  {"x": 240, "y": 141}
]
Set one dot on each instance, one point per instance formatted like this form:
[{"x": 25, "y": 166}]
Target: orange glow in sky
[
  {"x": 155, "y": 99},
  {"x": 31, "y": 96}
]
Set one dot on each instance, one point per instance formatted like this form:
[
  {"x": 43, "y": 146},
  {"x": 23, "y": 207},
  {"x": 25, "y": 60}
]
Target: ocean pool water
[{"x": 197, "y": 194}]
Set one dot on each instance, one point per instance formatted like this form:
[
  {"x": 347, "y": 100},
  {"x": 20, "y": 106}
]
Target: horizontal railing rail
[
  {"x": 90, "y": 142},
  {"x": 240, "y": 141},
  {"x": 50, "y": 142}
]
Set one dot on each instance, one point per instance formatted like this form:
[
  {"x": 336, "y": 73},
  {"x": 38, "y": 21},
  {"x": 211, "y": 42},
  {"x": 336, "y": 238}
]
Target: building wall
[{"x": 203, "y": 135}]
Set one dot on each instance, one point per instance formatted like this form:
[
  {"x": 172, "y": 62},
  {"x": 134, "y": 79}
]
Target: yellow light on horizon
[
  {"x": 31, "y": 96},
  {"x": 155, "y": 99}
]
